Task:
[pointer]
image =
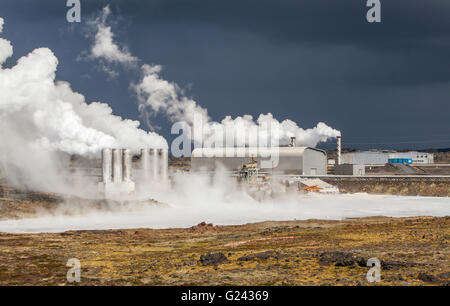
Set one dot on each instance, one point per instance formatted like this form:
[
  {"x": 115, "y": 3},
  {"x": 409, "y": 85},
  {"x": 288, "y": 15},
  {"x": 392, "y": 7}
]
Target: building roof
[{"x": 249, "y": 151}]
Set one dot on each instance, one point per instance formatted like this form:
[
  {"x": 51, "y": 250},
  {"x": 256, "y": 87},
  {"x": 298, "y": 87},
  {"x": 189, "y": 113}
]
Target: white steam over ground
[
  {"x": 41, "y": 117},
  {"x": 197, "y": 198}
]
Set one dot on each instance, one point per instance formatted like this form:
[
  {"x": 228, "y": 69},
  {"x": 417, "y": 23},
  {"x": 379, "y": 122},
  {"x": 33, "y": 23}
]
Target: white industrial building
[
  {"x": 382, "y": 157},
  {"x": 290, "y": 160}
]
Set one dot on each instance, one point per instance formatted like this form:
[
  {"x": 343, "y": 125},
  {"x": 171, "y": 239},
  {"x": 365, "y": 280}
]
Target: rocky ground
[
  {"x": 414, "y": 186},
  {"x": 412, "y": 251}
]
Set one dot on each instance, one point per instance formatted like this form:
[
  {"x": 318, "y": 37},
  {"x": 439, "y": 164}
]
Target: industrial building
[
  {"x": 291, "y": 160},
  {"x": 383, "y": 157},
  {"x": 350, "y": 169}
]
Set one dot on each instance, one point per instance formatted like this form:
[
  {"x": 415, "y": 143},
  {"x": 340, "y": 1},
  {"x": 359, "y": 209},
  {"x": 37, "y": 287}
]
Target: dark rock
[
  {"x": 428, "y": 278},
  {"x": 261, "y": 255},
  {"x": 213, "y": 259},
  {"x": 445, "y": 275},
  {"x": 280, "y": 256},
  {"x": 389, "y": 265},
  {"x": 341, "y": 259}
]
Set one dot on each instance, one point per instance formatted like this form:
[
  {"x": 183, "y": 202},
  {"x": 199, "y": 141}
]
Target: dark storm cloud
[
  {"x": 412, "y": 36},
  {"x": 307, "y": 60}
]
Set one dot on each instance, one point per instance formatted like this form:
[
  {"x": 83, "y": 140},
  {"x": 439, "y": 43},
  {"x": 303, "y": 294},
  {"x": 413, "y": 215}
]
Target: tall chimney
[
  {"x": 145, "y": 163},
  {"x": 293, "y": 141},
  {"x": 339, "y": 150},
  {"x": 106, "y": 165},
  {"x": 154, "y": 159},
  {"x": 164, "y": 163},
  {"x": 117, "y": 165},
  {"x": 127, "y": 164}
]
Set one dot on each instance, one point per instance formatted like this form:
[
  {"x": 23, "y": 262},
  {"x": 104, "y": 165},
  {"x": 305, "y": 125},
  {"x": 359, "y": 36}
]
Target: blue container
[{"x": 400, "y": 161}]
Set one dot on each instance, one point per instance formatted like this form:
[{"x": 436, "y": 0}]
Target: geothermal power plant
[{"x": 308, "y": 167}]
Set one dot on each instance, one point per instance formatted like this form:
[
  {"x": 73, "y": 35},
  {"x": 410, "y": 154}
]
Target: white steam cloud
[
  {"x": 156, "y": 95},
  {"x": 6, "y": 50},
  {"x": 40, "y": 117},
  {"x": 219, "y": 200},
  {"x": 159, "y": 95},
  {"x": 105, "y": 49}
]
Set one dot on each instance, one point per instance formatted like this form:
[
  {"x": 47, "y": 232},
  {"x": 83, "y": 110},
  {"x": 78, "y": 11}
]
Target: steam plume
[
  {"x": 105, "y": 49},
  {"x": 41, "y": 117},
  {"x": 158, "y": 95}
]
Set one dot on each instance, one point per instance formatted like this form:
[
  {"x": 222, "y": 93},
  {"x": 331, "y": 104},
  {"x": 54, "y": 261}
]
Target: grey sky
[{"x": 383, "y": 85}]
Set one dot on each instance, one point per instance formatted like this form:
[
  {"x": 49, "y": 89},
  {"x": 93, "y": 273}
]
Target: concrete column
[
  {"x": 164, "y": 164},
  {"x": 117, "y": 165},
  {"x": 106, "y": 165},
  {"x": 145, "y": 163},
  {"x": 155, "y": 162},
  {"x": 339, "y": 150},
  {"x": 127, "y": 164}
]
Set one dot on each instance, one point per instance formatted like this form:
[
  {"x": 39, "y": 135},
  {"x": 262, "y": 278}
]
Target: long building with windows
[{"x": 383, "y": 157}]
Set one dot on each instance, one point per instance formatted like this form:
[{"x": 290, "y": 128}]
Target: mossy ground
[{"x": 171, "y": 257}]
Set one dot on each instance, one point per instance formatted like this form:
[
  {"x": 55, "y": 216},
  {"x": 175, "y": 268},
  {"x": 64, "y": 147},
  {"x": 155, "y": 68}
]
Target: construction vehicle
[{"x": 313, "y": 188}]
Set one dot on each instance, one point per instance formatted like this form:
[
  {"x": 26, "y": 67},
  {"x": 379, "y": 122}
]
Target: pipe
[
  {"x": 164, "y": 164},
  {"x": 154, "y": 159},
  {"x": 117, "y": 165},
  {"x": 293, "y": 141},
  {"x": 339, "y": 150},
  {"x": 145, "y": 162},
  {"x": 127, "y": 164},
  {"x": 106, "y": 165}
]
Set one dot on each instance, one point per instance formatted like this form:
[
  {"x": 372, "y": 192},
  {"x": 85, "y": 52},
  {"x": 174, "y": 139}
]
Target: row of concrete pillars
[
  {"x": 117, "y": 165},
  {"x": 154, "y": 164}
]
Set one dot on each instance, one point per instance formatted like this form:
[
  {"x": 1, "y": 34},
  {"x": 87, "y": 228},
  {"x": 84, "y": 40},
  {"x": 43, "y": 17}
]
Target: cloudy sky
[{"x": 383, "y": 85}]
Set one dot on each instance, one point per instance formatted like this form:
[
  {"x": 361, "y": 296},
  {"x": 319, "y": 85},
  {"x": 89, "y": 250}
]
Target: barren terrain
[{"x": 413, "y": 251}]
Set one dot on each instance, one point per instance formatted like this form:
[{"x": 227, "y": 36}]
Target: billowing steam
[
  {"x": 156, "y": 95},
  {"x": 160, "y": 96},
  {"x": 105, "y": 49},
  {"x": 40, "y": 118}
]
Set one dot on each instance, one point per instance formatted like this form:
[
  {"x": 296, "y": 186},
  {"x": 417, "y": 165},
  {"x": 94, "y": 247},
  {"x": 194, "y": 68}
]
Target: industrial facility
[
  {"x": 384, "y": 157},
  {"x": 290, "y": 160}
]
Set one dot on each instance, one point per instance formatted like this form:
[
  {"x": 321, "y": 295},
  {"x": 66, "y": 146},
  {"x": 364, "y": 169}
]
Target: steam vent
[{"x": 118, "y": 177}]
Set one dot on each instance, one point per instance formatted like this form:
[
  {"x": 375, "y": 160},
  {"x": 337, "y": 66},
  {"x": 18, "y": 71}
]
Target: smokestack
[
  {"x": 127, "y": 164},
  {"x": 164, "y": 164},
  {"x": 106, "y": 165},
  {"x": 145, "y": 163},
  {"x": 120, "y": 163},
  {"x": 339, "y": 150},
  {"x": 293, "y": 141},
  {"x": 154, "y": 159},
  {"x": 117, "y": 165}
]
